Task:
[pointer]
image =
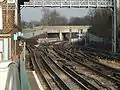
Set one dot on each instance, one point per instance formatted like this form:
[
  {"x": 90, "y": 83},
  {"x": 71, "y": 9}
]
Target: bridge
[{"x": 58, "y": 31}]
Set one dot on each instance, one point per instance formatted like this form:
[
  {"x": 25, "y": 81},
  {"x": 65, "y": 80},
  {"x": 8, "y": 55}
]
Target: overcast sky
[{"x": 29, "y": 14}]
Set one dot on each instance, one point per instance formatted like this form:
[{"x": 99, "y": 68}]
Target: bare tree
[
  {"x": 101, "y": 22},
  {"x": 80, "y": 20},
  {"x": 63, "y": 20},
  {"x": 45, "y": 16},
  {"x": 52, "y": 18}
]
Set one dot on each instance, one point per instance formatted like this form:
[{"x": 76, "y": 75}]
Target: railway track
[
  {"x": 51, "y": 71},
  {"x": 100, "y": 66},
  {"x": 94, "y": 60},
  {"x": 43, "y": 73},
  {"x": 61, "y": 76},
  {"x": 85, "y": 84},
  {"x": 74, "y": 65},
  {"x": 73, "y": 83},
  {"x": 100, "y": 53},
  {"x": 71, "y": 57}
]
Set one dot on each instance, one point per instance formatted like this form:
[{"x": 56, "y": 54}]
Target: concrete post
[{"x": 60, "y": 35}]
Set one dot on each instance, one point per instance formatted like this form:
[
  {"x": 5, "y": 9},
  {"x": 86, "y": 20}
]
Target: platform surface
[{"x": 32, "y": 81}]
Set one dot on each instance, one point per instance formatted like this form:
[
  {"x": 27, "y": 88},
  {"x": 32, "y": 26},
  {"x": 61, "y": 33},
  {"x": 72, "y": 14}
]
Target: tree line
[
  {"x": 100, "y": 20},
  {"x": 53, "y": 18}
]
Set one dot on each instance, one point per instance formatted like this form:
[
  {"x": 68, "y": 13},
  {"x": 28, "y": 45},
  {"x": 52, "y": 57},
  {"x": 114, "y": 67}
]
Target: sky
[
  {"x": 28, "y": 14},
  {"x": 35, "y": 14}
]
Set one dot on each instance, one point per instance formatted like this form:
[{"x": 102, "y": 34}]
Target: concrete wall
[{"x": 57, "y": 29}]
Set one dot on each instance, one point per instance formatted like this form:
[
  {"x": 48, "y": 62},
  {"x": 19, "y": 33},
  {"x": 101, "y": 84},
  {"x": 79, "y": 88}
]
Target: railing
[
  {"x": 23, "y": 77},
  {"x": 23, "y": 74}
]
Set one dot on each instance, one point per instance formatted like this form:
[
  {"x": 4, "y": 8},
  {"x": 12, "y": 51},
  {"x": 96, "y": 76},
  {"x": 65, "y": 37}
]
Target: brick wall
[{"x": 8, "y": 20}]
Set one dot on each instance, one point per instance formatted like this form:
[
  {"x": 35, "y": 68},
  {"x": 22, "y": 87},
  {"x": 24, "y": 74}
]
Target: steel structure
[{"x": 68, "y": 3}]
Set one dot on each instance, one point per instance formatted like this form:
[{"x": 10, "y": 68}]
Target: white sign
[
  {"x": 1, "y": 19},
  {"x": 15, "y": 36}
]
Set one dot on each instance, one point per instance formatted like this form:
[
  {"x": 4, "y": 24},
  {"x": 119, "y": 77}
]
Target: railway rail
[
  {"x": 83, "y": 71},
  {"x": 94, "y": 60},
  {"x": 71, "y": 57},
  {"x": 100, "y": 53},
  {"x": 39, "y": 71},
  {"x": 55, "y": 76},
  {"x": 85, "y": 84},
  {"x": 104, "y": 68},
  {"x": 61, "y": 76}
]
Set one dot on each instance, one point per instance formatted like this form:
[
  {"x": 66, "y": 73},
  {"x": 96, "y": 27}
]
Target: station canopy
[{"x": 69, "y": 3}]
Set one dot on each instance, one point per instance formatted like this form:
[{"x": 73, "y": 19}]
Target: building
[{"x": 9, "y": 24}]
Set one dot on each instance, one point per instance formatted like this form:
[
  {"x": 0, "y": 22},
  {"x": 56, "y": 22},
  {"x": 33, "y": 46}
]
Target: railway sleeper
[
  {"x": 98, "y": 72},
  {"x": 68, "y": 74},
  {"x": 61, "y": 83},
  {"x": 74, "y": 74}
]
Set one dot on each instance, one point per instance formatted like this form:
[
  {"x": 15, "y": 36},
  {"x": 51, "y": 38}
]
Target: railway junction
[{"x": 53, "y": 60}]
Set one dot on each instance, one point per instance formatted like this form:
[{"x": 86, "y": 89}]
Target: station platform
[{"x": 32, "y": 80}]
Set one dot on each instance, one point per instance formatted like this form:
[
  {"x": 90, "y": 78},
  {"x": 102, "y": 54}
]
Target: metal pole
[
  {"x": 15, "y": 47},
  {"x": 24, "y": 50},
  {"x": 114, "y": 27},
  {"x": 70, "y": 34},
  {"x": 10, "y": 55},
  {"x": 118, "y": 23},
  {"x": 78, "y": 34},
  {"x": 85, "y": 39}
]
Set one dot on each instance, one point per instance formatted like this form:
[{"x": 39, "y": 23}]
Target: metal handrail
[{"x": 23, "y": 77}]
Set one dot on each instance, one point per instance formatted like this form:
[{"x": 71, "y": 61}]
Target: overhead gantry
[{"x": 81, "y": 4}]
